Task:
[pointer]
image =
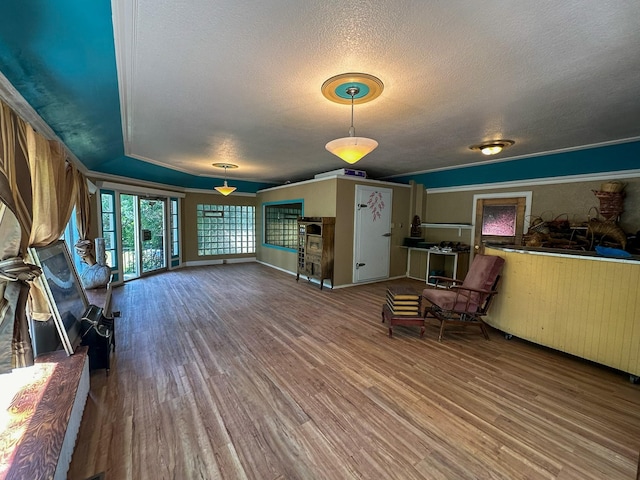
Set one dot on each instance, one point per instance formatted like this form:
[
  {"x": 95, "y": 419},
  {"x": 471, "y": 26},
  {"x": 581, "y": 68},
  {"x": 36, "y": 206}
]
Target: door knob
[
  {"x": 358, "y": 265},
  {"x": 386, "y": 234}
]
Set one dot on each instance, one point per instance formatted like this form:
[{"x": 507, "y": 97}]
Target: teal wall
[
  {"x": 60, "y": 56},
  {"x": 612, "y": 158}
]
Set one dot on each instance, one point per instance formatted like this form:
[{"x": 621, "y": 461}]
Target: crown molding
[{"x": 591, "y": 177}]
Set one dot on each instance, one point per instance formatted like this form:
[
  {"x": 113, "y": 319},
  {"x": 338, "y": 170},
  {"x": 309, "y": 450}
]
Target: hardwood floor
[{"x": 238, "y": 372}]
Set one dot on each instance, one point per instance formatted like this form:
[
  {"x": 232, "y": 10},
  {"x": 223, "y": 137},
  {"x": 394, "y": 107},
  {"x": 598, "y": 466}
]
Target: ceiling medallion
[
  {"x": 369, "y": 88},
  {"x": 493, "y": 147}
]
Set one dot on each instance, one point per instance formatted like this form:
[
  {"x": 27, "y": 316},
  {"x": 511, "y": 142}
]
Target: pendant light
[
  {"x": 225, "y": 189},
  {"x": 352, "y": 86}
]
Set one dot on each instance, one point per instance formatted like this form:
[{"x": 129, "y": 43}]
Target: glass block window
[
  {"x": 226, "y": 229},
  {"x": 108, "y": 217},
  {"x": 499, "y": 220},
  {"x": 281, "y": 224},
  {"x": 175, "y": 234}
]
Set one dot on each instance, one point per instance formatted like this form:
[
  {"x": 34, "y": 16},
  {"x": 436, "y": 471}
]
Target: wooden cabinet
[{"x": 315, "y": 248}]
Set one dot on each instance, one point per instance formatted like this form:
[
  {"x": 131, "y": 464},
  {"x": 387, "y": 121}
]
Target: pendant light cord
[
  {"x": 352, "y": 130},
  {"x": 352, "y": 91}
]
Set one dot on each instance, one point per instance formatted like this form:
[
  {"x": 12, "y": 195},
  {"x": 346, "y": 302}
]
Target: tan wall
[
  {"x": 574, "y": 199},
  {"x": 335, "y": 198},
  {"x": 190, "y": 225},
  {"x": 319, "y": 199}
]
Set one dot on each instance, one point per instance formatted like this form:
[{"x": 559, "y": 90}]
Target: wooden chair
[{"x": 464, "y": 303}]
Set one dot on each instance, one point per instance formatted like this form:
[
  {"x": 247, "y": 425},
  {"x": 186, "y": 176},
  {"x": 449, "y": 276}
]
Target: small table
[{"x": 404, "y": 320}]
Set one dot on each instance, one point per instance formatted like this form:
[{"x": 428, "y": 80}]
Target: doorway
[
  {"x": 372, "y": 235},
  {"x": 500, "y": 218},
  {"x": 144, "y": 231}
]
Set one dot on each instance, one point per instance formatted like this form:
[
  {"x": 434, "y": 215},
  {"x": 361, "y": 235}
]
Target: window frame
[
  {"x": 292, "y": 224},
  {"x": 174, "y": 231},
  {"x": 113, "y": 261}
]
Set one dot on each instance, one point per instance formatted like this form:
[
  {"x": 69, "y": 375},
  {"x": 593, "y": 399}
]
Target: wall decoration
[{"x": 376, "y": 205}]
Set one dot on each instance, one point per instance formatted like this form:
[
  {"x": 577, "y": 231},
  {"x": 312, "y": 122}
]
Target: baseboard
[{"x": 223, "y": 261}]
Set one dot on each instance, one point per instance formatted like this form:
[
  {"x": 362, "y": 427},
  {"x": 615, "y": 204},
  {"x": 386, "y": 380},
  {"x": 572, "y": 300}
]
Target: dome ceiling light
[{"x": 492, "y": 148}]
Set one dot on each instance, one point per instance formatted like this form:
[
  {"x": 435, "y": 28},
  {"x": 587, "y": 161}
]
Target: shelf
[
  {"x": 463, "y": 226},
  {"x": 447, "y": 264},
  {"x": 458, "y": 226}
]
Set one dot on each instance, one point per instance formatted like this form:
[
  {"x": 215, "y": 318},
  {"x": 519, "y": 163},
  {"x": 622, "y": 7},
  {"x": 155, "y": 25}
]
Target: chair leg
[
  {"x": 484, "y": 330},
  {"x": 442, "y": 322}
]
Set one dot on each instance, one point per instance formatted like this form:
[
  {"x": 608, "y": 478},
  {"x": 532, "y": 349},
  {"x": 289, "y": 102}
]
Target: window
[
  {"x": 175, "y": 247},
  {"x": 281, "y": 224},
  {"x": 71, "y": 237},
  {"x": 499, "y": 220},
  {"x": 108, "y": 208},
  {"x": 226, "y": 229}
]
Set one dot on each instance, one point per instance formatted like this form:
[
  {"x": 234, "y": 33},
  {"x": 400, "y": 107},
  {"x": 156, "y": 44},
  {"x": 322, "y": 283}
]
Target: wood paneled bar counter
[{"x": 579, "y": 303}]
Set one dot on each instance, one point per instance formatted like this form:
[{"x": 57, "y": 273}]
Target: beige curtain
[
  {"x": 15, "y": 224},
  {"x": 54, "y": 188},
  {"x": 15, "y": 167},
  {"x": 84, "y": 246},
  {"x": 10, "y": 285},
  {"x": 54, "y": 193},
  {"x": 43, "y": 193}
]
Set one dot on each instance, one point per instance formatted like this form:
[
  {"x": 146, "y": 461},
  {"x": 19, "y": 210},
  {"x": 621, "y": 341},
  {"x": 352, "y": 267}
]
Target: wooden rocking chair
[{"x": 464, "y": 303}]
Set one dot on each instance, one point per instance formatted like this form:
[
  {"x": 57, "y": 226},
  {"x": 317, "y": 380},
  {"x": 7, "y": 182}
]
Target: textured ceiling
[{"x": 239, "y": 81}]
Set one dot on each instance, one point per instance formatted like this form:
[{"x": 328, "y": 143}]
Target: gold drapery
[
  {"x": 83, "y": 219},
  {"x": 16, "y": 197},
  {"x": 10, "y": 287},
  {"x": 53, "y": 186},
  {"x": 15, "y": 167},
  {"x": 53, "y": 191},
  {"x": 44, "y": 187}
]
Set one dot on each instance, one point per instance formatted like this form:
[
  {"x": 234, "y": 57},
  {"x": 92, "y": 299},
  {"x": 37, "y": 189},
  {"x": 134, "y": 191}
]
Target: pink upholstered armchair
[{"x": 464, "y": 303}]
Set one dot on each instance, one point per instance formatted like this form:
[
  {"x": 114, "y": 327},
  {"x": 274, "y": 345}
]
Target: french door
[{"x": 144, "y": 235}]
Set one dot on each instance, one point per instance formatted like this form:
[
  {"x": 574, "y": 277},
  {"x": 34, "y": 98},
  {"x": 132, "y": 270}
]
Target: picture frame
[{"x": 65, "y": 295}]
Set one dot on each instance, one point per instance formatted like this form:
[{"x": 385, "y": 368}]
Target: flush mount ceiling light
[
  {"x": 492, "y": 148},
  {"x": 225, "y": 189},
  {"x": 352, "y": 88}
]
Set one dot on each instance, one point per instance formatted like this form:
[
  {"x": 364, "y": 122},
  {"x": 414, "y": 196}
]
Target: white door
[{"x": 372, "y": 236}]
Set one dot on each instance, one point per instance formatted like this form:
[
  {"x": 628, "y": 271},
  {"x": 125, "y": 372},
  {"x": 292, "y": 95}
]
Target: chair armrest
[
  {"x": 438, "y": 279},
  {"x": 476, "y": 290}
]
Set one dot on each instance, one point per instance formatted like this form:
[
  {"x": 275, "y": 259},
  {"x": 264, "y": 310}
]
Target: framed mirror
[{"x": 65, "y": 295}]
